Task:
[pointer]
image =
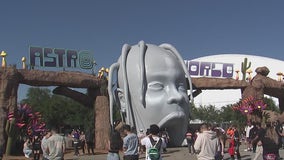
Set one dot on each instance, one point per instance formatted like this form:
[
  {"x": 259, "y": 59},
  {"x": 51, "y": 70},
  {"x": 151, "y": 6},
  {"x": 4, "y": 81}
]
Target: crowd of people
[
  {"x": 82, "y": 141},
  {"x": 208, "y": 142},
  {"x": 52, "y": 145},
  {"x": 152, "y": 143}
]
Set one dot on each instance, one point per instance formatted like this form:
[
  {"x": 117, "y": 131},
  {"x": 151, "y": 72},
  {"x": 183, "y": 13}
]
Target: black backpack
[{"x": 154, "y": 151}]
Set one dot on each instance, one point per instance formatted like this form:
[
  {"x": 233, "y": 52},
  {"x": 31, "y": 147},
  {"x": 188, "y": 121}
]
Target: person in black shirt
[
  {"x": 115, "y": 145},
  {"x": 258, "y": 140},
  {"x": 90, "y": 140},
  {"x": 36, "y": 143},
  {"x": 236, "y": 137},
  {"x": 279, "y": 130},
  {"x": 270, "y": 143},
  {"x": 252, "y": 135}
]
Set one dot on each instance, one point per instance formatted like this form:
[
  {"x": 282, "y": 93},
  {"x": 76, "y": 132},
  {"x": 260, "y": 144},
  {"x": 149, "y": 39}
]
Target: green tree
[
  {"x": 232, "y": 116},
  {"x": 225, "y": 114},
  {"x": 193, "y": 114},
  {"x": 211, "y": 114},
  {"x": 271, "y": 105},
  {"x": 58, "y": 110},
  {"x": 206, "y": 113}
]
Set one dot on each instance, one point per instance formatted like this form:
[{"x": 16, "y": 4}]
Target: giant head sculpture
[{"x": 149, "y": 84}]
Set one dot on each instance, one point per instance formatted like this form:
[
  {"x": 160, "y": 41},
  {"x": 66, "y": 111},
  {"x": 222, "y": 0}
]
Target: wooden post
[
  {"x": 9, "y": 84},
  {"x": 102, "y": 123}
]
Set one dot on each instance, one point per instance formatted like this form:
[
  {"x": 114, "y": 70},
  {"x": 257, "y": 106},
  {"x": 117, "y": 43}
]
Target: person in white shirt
[
  {"x": 44, "y": 145},
  {"x": 146, "y": 141},
  {"x": 248, "y": 140},
  {"x": 141, "y": 135},
  {"x": 27, "y": 149}
]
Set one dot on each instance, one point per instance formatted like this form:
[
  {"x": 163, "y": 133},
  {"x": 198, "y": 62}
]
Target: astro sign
[
  {"x": 210, "y": 69},
  {"x": 65, "y": 58}
]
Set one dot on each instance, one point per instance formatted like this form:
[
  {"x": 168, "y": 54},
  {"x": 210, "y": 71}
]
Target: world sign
[{"x": 210, "y": 69}]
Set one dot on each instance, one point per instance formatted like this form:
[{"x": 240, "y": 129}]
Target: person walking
[
  {"x": 55, "y": 146},
  {"x": 90, "y": 141},
  {"x": 236, "y": 139},
  {"x": 258, "y": 140},
  {"x": 207, "y": 143},
  {"x": 141, "y": 135},
  {"x": 115, "y": 145},
  {"x": 36, "y": 146},
  {"x": 220, "y": 152},
  {"x": 166, "y": 137},
  {"x": 130, "y": 144},
  {"x": 152, "y": 140},
  {"x": 82, "y": 141},
  {"x": 27, "y": 148},
  {"x": 270, "y": 143},
  {"x": 248, "y": 127},
  {"x": 279, "y": 129},
  {"x": 76, "y": 142},
  {"x": 47, "y": 134},
  {"x": 190, "y": 141},
  {"x": 252, "y": 135}
]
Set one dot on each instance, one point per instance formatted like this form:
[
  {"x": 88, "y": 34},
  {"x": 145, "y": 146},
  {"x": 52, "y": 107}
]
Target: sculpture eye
[
  {"x": 156, "y": 86},
  {"x": 181, "y": 87}
]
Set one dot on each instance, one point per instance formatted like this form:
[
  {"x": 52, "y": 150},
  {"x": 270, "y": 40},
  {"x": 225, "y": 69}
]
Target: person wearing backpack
[{"x": 153, "y": 144}]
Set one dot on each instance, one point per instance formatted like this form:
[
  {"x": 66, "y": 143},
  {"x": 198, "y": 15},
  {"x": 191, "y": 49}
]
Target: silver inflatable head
[{"x": 149, "y": 85}]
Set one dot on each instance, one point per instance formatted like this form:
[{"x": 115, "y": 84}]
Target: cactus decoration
[
  {"x": 12, "y": 131},
  {"x": 23, "y": 122},
  {"x": 245, "y": 67}
]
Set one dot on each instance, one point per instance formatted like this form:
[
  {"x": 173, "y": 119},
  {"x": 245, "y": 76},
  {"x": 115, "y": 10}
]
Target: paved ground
[{"x": 180, "y": 153}]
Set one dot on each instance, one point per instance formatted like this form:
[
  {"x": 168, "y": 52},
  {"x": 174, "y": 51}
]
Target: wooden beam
[
  {"x": 75, "y": 95},
  {"x": 58, "y": 78},
  {"x": 218, "y": 83}
]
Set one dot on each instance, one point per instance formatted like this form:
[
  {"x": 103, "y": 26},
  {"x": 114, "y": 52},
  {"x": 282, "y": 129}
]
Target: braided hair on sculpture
[{"x": 121, "y": 65}]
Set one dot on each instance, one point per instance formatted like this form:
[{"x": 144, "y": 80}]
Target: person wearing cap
[{"x": 154, "y": 133}]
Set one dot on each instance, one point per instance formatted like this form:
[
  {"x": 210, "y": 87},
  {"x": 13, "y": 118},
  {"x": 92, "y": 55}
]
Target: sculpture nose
[{"x": 174, "y": 96}]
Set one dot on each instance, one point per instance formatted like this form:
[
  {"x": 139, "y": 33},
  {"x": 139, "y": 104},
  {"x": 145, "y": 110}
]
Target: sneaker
[{"x": 27, "y": 156}]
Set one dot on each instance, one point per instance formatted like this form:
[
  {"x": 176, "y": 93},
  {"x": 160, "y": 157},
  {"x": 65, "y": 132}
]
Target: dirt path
[{"x": 180, "y": 153}]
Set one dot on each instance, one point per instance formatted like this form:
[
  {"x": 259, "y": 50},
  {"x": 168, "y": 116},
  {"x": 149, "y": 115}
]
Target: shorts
[{"x": 130, "y": 157}]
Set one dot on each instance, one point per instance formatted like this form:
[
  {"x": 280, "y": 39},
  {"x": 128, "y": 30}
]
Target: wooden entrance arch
[{"x": 11, "y": 77}]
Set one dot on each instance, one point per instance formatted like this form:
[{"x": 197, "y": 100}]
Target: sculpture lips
[{"x": 174, "y": 117}]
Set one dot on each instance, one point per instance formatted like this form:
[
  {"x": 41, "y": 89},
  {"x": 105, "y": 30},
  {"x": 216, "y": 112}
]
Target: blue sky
[{"x": 195, "y": 27}]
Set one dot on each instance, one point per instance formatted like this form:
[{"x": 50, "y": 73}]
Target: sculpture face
[
  {"x": 165, "y": 90},
  {"x": 167, "y": 102}
]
